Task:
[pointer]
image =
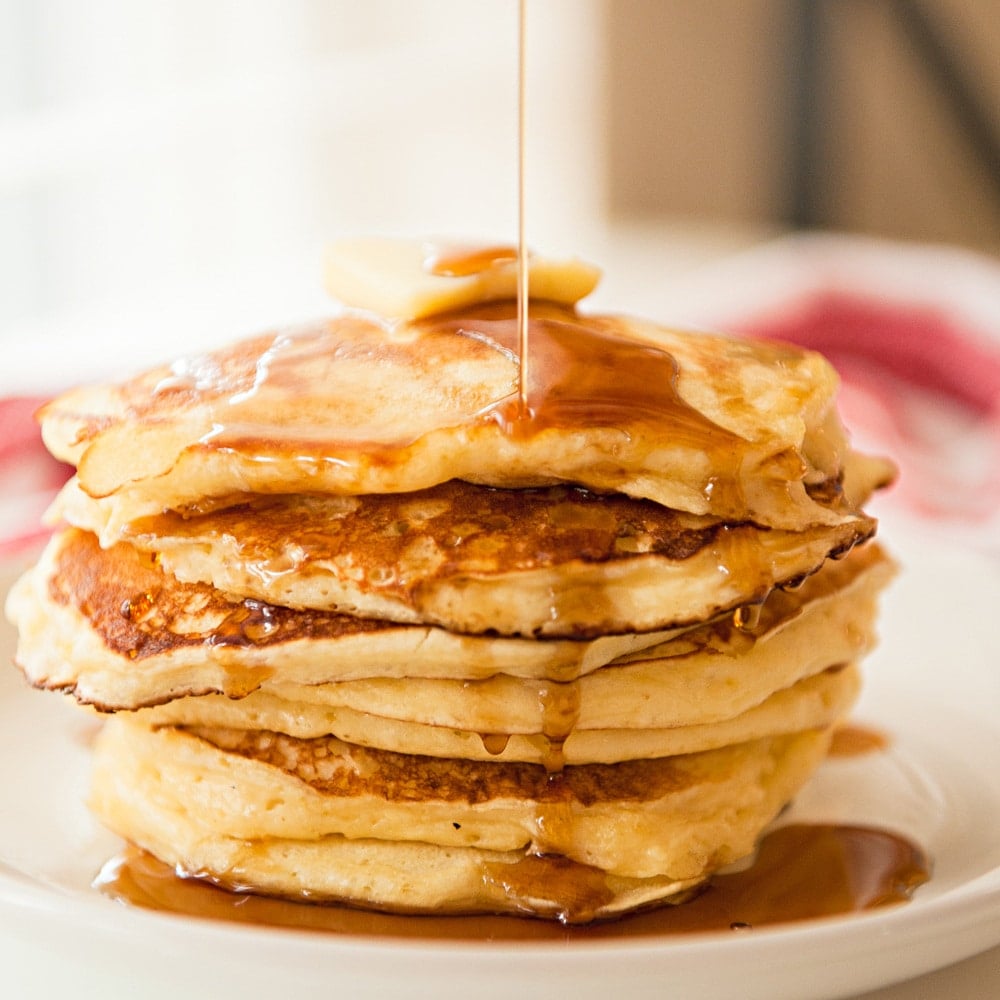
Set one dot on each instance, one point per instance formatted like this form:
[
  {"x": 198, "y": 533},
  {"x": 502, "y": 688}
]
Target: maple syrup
[
  {"x": 559, "y": 703},
  {"x": 250, "y": 623},
  {"x": 451, "y": 261},
  {"x": 495, "y": 743},
  {"x": 136, "y": 608},
  {"x": 746, "y": 618},
  {"x": 800, "y": 872},
  {"x": 523, "y": 292},
  {"x": 585, "y": 373},
  {"x": 854, "y": 740}
]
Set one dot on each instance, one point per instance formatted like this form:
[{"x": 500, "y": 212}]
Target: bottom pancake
[{"x": 326, "y": 821}]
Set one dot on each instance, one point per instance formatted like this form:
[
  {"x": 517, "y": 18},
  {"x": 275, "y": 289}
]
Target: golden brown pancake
[
  {"x": 554, "y": 562},
  {"x": 114, "y": 628},
  {"x": 326, "y": 820},
  {"x": 359, "y": 405},
  {"x": 815, "y": 702}
]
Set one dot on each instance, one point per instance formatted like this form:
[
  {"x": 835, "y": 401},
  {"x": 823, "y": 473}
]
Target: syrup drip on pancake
[
  {"x": 747, "y": 616},
  {"x": 495, "y": 743},
  {"x": 800, "y": 872},
  {"x": 249, "y": 623},
  {"x": 584, "y": 372},
  {"x": 560, "y": 710}
]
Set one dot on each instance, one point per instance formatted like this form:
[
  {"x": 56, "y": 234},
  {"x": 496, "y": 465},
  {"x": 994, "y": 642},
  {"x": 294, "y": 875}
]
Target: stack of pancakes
[{"x": 371, "y": 627}]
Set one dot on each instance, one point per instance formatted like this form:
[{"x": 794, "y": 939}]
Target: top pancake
[{"x": 361, "y": 405}]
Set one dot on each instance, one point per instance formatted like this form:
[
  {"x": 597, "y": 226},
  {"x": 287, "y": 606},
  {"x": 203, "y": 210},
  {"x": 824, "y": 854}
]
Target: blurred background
[
  {"x": 170, "y": 169},
  {"x": 874, "y": 116}
]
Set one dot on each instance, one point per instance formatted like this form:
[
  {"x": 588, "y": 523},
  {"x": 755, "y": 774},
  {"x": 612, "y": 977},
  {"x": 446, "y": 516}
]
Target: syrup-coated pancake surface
[
  {"x": 112, "y": 627},
  {"x": 555, "y": 562},
  {"x": 115, "y": 629},
  {"x": 360, "y": 405}
]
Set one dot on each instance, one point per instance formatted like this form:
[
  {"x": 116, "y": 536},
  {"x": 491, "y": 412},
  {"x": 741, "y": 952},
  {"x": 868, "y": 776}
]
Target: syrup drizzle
[
  {"x": 462, "y": 261},
  {"x": 584, "y": 374},
  {"x": 522, "y": 249}
]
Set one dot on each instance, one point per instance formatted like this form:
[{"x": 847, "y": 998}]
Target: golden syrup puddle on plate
[{"x": 800, "y": 872}]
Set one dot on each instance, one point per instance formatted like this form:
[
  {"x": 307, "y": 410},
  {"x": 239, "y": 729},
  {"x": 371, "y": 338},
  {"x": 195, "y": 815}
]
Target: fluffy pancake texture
[
  {"x": 361, "y": 405},
  {"x": 120, "y": 633},
  {"x": 816, "y": 702},
  {"x": 369, "y": 627},
  {"x": 554, "y": 562},
  {"x": 418, "y": 834}
]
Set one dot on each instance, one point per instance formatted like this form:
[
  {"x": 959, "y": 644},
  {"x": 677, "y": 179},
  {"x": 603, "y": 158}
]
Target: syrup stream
[{"x": 522, "y": 249}]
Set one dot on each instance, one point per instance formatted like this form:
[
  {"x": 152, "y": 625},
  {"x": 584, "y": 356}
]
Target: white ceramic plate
[{"x": 934, "y": 686}]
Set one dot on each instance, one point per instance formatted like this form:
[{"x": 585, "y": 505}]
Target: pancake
[
  {"x": 361, "y": 404},
  {"x": 661, "y": 692},
  {"x": 114, "y": 628},
  {"x": 324, "y": 820},
  {"x": 111, "y": 627},
  {"x": 816, "y": 702},
  {"x": 555, "y": 562}
]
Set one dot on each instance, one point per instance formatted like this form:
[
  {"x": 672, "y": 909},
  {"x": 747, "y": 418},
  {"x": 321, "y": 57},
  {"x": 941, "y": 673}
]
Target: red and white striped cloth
[{"x": 918, "y": 385}]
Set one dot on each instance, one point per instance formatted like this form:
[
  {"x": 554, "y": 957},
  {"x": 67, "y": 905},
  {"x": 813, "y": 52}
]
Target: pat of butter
[{"x": 411, "y": 279}]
